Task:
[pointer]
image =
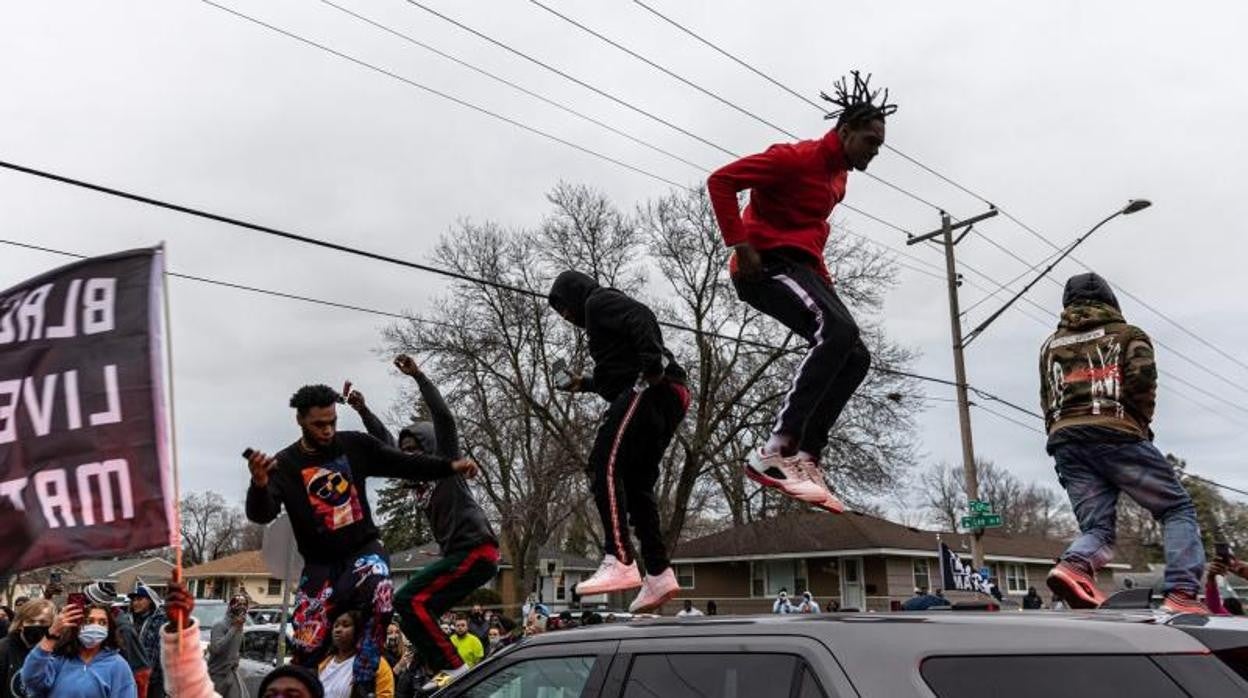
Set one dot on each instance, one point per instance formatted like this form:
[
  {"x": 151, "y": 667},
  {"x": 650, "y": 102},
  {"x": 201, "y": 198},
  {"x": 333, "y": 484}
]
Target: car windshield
[{"x": 209, "y": 615}]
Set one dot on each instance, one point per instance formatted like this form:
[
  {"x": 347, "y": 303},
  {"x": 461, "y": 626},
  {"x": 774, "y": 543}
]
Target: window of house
[
  {"x": 768, "y": 577},
  {"x": 1016, "y": 577},
  {"x": 684, "y": 576},
  {"x": 561, "y": 588},
  {"x": 725, "y": 675},
  {"x": 921, "y": 578},
  {"x": 275, "y": 587}
]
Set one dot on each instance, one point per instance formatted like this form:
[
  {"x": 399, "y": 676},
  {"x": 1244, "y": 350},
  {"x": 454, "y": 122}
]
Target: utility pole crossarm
[{"x": 914, "y": 240}]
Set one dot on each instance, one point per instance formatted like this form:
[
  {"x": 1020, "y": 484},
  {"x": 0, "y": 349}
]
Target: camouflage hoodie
[{"x": 1096, "y": 370}]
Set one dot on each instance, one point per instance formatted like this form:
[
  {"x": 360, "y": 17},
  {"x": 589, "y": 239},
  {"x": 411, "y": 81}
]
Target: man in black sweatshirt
[
  {"x": 646, "y": 388},
  {"x": 467, "y": 542},
  {"x": 319, "y": 479}
]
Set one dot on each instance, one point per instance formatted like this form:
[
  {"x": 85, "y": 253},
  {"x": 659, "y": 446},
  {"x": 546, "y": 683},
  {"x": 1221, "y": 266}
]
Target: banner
[
  {"x": 83, "y": 431},
  {"x": 956, "y": 575}
]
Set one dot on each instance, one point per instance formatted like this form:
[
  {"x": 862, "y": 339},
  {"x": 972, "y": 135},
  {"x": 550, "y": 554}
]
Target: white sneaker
[
  {"x": 784, "y": 474},
  {"x": 612, "y": 575},
  {"x": 444, "y": 678},
  {"x": 814, "y": 474},
  {"x": 656, "y": 590}
]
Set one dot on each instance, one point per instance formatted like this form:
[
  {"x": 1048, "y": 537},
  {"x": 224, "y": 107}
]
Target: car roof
[{"x": 873, "y": 637}]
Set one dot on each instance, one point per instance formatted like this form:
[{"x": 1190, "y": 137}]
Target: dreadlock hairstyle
[{"x": 858, "y": 104}]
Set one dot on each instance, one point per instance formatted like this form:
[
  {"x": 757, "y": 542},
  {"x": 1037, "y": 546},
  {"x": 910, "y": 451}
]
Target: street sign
[
  {"x": 979, "y": 507},
  {"x": 982, "y": 521}
]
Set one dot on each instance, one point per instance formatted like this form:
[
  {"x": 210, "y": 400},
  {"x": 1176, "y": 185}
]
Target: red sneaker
[
  {"x": 1074, "y": 586},
  {"x": 1183, "y": 602}
]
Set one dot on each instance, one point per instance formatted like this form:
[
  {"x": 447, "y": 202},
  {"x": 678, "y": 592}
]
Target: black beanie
[{"x": 300, "y": 674}]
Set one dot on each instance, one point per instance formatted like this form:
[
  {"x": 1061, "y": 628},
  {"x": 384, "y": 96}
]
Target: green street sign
[
  {"x": 979, "y": 507},
  {"x": 982, "y": 521}
]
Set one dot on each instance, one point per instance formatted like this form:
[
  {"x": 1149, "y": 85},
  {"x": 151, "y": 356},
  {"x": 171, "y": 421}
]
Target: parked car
[
  {"x": 890, "y": 655},
  {"x": 257, "y": 657},
  {"x": 264, "y": 615},
  {"x": 208, "y": 612}
]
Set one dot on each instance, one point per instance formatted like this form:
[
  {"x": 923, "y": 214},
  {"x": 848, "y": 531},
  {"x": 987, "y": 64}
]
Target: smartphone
[
  {"x": 55, "y": 577},
  {"x": 559, "y": 371},
  {"x": 1222, "y": 550},
  {"x": 77, "y": 598}
]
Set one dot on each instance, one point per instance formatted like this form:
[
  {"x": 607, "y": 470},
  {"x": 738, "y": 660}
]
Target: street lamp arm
[{"x": 970, "y": 336}]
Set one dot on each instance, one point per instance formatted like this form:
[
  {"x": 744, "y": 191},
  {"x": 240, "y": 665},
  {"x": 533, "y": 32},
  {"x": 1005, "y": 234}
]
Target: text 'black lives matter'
[{"x": 83, "y": 433}]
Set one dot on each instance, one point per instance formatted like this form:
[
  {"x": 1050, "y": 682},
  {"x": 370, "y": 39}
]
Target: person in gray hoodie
[
  {"x": 224, "y": 643},
  {"x": 465, "y": 538}
]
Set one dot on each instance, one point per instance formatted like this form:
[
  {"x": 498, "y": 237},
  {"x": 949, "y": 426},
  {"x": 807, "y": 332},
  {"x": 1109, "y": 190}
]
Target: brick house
[{"x": 860, "y": 561}]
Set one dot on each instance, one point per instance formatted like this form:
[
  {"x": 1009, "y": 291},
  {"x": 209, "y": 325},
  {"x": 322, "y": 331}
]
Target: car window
[
  {"x": 549, "y": 677},
  {"x": 209, "y": 615},
  {"x": 810, "y": 686},
  {"x": 724, "y": 675},
  {"x": 260, "y": 646},
  {"x": 1045, "y": 676}
]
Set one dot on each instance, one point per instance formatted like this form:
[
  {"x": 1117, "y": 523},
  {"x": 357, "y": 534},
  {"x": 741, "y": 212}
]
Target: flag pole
[{"x": 173, "y": 436}]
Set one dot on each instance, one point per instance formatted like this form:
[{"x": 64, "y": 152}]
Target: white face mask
[{"x": 92, "y": 635}]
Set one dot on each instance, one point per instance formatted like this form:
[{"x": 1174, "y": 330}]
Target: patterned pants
[{"x": 326, "y": 591}]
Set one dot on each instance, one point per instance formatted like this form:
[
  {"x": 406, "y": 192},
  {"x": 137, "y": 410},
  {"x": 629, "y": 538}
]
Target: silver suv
[{"x": 889, "y": 655}]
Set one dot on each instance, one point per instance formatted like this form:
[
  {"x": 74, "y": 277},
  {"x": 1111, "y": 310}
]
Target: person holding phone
[
  {"x": 79, "y": 657},
  {"x": 320, "y": 481},
  {"x": 29, "y": 626}
]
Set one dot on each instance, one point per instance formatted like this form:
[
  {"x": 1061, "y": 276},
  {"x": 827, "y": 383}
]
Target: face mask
[
  {"x": 494, "y": 641},
  {"x": 92, "y": 635},
  {"x": 32, "y": 634}
]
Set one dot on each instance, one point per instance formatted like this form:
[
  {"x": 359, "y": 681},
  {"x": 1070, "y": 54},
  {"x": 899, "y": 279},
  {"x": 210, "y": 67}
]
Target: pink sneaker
[
  {"x": 656, "y": 590},
  {"x": 612, "y": 575},
  {"x": 1182, "y": 602},
  {"x": 784, "y": 474},
  {"x": 814, "y": 474}
]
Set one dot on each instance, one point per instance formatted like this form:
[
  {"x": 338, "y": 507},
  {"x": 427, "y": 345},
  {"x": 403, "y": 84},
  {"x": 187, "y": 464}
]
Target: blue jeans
[{"x": 1094, "y": 473}]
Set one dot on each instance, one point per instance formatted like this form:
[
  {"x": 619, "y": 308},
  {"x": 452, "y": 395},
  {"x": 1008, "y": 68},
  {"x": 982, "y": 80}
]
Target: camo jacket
[{"x": 1097, "y": 370}]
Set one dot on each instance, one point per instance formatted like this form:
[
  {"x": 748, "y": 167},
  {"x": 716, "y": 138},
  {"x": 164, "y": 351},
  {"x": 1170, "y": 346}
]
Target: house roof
[
  {"x": 109, "y": 569},
  {"x": 815, "y": 534},
  {"x": 249, "y": 563}
]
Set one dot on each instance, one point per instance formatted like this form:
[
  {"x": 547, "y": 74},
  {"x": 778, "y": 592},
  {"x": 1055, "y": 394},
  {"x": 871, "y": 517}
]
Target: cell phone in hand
[
  {"x": 559, "y": 371},
  {"x": 77, "y": 599},
  {"x": 1222, "y": 551}
]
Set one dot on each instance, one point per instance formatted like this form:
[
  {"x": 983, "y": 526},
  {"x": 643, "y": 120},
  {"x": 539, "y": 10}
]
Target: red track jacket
[{"x": 793, "y": 188}]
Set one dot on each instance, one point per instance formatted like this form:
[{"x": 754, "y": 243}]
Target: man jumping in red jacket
[{"x": 778, "y": 267}]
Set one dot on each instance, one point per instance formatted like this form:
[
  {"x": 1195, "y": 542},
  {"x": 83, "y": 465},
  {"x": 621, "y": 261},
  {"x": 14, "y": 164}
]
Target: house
[
  {"x": 218, "y": 579},
  {"x": 123, "y": 574},
  {"x": 860, "y": 561},
  {"x": 558, "y": 575}
]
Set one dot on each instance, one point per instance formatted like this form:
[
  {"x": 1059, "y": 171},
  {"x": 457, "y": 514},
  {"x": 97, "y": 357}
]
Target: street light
[{"x": 1133, "y": 206}]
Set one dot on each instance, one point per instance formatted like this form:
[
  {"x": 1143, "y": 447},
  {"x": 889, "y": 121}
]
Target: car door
[
  {"x": 785, "y": 666},
  {"x": 549, "y": 670}
]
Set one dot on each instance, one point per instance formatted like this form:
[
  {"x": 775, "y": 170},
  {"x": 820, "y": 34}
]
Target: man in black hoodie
[
  {"x": 320, "y": 480},
  {"x": 467, "y": 542},
  {"x": 646, "y": 388}
]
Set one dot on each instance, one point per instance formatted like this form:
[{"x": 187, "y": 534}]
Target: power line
[
  {"x": 546, "y": 100},
  {"x": 439, "y": 93},
  {"x": 1007, "y": 418},
  {"x": 337, "y": 247},
  {"x": 948, "y": 180},
  {"x": 713, "y": 95}
]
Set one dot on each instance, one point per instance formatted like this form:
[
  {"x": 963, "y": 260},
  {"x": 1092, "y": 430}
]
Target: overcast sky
[{"x": 1058, "y": 112}]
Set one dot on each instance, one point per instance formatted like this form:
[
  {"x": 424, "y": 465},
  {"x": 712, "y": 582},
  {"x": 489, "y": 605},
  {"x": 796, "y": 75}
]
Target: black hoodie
[{"x": 624, "y": 338}]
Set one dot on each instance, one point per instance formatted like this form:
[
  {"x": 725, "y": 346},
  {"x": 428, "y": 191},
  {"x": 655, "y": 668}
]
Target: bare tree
[
  {"x": 1026, "y": 508},
  {"x": 210, "y": 528}
]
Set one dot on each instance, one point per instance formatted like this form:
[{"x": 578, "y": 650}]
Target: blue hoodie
[{"x": 107, "y": 676}]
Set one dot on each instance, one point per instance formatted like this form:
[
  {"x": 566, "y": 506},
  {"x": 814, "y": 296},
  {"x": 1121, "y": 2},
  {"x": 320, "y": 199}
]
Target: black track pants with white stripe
[
  {"x": 837, "y": 362},
  {"x": 624, "y": 467}
]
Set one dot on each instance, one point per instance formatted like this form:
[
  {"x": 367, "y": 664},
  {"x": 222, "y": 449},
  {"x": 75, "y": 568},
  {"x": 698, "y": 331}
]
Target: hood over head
[
  {"x": 569, "y": 292},
  {"x": 423, "y": 433},
  {"x": 1089, "y": 288}
]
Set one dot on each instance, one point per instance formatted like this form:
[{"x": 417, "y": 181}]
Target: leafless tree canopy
[
  {"x": 491, "y": 349},
  {"x": 1031, "y": 509},
  {"x": 212, "y": 529}
]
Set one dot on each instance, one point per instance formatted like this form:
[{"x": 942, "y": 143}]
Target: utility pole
[{"x": 969, "y": 471}]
